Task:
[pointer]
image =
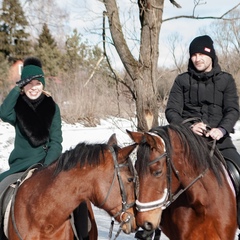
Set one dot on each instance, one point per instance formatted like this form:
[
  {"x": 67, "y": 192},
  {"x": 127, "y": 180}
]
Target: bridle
[
  {"x": 125, "y": 205},
  {"x": 160, "y": 203},
  {"x": 168, "y": 197}
]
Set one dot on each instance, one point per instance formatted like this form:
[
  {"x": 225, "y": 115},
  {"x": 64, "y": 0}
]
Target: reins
[{"x": 198, "y": 119}]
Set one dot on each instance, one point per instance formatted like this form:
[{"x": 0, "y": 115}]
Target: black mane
[{"x": 84, "y": 154}]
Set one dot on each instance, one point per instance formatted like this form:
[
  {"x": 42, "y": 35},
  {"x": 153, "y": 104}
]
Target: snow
[{"x": 75, "y": 133}]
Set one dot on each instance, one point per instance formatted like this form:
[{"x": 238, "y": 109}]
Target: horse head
[
  {"x": 151, "y": 166},
  {"x": 118, "y": 195}
]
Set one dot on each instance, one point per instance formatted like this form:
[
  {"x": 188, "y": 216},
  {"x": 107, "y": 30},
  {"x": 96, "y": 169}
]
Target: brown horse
[
  {"x": 182, "y": 187},
  {"x": 96, "y": 172}
]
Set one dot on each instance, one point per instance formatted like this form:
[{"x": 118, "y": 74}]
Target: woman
[{"x": 37, "y": 122}]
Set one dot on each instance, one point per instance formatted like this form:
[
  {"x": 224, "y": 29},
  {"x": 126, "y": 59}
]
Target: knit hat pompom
[
  {"x": 30, "y": 71},
  {"x": 202, "y": 44},
  {"x": 32, "y": 61}
]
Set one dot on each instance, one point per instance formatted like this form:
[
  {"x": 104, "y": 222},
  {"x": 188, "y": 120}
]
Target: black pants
[{"x": 81, "y": 220}]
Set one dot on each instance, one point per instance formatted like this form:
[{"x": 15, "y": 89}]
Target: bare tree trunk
[
  {"x": 143, "y": 72},
  {"x": 150, "y": 12}
]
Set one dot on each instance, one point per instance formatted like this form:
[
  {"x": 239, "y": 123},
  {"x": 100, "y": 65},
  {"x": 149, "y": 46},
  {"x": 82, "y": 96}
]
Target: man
[
  {"x": 208, "y": 97},
  {"x": 207, "y": 93}
]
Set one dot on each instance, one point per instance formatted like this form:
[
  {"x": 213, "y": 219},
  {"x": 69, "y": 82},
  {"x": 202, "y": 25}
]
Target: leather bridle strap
[
  {"x": 181, "y": 191},
  {"x": 157, "y": 159},
  {"x": 117, "y": 166}
]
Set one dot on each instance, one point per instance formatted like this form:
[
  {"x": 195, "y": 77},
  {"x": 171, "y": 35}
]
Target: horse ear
[
  {"x": 112, "y": 140},
  {"x": 136, "y": 136},
  {"x": 154, "y": 140},
  {"x": 124, "y": 152}
]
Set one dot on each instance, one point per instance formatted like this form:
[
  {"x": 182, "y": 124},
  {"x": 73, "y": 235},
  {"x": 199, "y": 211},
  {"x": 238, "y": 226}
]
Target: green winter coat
[{"x": 25, "y": 153}]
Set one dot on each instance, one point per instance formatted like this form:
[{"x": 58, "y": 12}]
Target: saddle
[{"x": 234, "y": 173}]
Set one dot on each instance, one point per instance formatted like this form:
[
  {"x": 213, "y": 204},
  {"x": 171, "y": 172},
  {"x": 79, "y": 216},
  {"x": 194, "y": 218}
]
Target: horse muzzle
[{"x": 128, "y": 222}]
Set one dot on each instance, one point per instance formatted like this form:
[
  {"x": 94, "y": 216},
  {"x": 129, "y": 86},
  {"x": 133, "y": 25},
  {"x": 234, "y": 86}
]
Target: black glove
[{"x": 23, "y": 82}]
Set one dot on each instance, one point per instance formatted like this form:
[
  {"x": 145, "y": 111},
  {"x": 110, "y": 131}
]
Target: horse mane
[
  {"x": 196, "y": 149},
  {"x": 83, "y": 153}
]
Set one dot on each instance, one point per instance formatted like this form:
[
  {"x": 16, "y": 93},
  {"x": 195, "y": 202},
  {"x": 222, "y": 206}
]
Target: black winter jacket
[{"x": 210, "y": 96}]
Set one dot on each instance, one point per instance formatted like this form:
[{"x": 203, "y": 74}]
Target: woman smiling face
[{"x": 34, "y": 89}]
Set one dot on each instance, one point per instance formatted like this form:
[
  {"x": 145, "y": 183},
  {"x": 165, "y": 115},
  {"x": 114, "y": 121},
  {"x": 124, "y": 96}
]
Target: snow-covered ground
[{"x": 73, "y": 134}]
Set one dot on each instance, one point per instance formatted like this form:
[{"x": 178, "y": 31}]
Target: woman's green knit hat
[{"x": 33, "y": 72}]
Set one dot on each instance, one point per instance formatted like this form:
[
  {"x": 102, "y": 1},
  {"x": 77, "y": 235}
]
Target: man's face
[{"x": 202, "y": 62}]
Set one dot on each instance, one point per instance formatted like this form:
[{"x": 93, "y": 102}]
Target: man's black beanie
[{"x": 202, "y": 44}]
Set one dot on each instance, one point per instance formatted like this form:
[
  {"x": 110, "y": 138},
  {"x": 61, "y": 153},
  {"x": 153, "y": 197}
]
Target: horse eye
[
  {"x": 157, "y": 173},
  {"x": 130, "y": 179}
]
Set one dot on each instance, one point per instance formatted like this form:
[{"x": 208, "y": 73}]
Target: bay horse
[
  {"x": 99, "y": 173},
  {"x": 182, "y": 188}
]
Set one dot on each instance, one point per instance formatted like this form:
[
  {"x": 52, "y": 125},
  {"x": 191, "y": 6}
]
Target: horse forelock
[
  {"x": 144, "y": 150},
  {"x": 143, "y": 154},
  {"x": 84, "y": 154}
]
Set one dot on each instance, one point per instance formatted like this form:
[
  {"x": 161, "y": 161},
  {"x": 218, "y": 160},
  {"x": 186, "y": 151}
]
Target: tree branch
[
  {"x": 175, "y": 4},
  {"x": 116, "y": 77},
  {"x": 206, "y": 17}
]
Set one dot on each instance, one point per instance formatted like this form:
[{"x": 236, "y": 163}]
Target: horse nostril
[{"x": 148, "y": 226}]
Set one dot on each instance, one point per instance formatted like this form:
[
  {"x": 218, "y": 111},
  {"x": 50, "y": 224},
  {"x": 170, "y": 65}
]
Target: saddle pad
[{"x": 6, "y": 218}]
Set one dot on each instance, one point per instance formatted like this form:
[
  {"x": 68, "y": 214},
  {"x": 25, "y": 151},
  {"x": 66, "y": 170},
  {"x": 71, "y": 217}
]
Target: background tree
[
  {"x": 48, "y": 52},
  {"x": 143, "y": 72},
  {"x": 14, "y": 41},
  {"x": 228, "y": 42},
  {"x": 72, "y": 57}
]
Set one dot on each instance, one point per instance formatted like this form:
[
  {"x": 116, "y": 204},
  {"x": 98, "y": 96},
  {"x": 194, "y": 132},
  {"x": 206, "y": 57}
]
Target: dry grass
[{"x": 87, "y": 103}]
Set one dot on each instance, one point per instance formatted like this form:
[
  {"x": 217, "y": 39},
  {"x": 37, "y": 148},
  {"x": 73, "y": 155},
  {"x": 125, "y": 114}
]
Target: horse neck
[
  {"x": 75, "y": 182},
  {"x": 71, "y": 187}
]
